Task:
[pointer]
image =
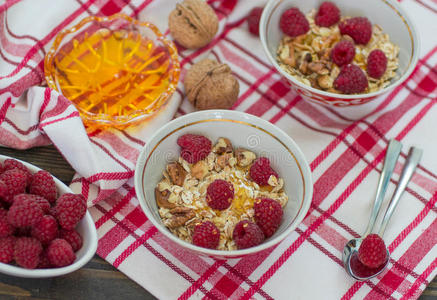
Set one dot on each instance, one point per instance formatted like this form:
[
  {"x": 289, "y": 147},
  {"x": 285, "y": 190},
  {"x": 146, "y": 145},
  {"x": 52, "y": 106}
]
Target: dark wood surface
[{"x": 98, "y": 279}]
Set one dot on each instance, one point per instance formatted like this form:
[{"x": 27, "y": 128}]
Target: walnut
[
  {"x": 193, "y": 23},
  {"x": 177, "y": 173},
  {"x": 199, "y": 169},
  {"x": 318, "y": 67},
  {"x": 244, "y": 157},
  {"x": 211, "y": 85},
  {"x": 223, "y": 145},
  {"x": 162, "y": 199},
  {"x": 180, "y": 215},
  {"x": 223, "y": 159},
  {"x": 325, "y": 81}
]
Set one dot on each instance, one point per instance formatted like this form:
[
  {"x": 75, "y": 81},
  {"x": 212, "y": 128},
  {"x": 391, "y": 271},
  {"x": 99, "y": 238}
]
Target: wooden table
[{"x": 98, "y": 279}]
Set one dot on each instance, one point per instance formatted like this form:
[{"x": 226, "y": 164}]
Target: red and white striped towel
[{"x": 345, "y": 157}]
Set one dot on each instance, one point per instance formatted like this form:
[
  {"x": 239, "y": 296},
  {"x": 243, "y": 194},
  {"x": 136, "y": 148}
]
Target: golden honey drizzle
[{"x": 113, "y": 73}]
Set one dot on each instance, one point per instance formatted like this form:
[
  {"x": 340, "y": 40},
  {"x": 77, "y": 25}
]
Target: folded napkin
[{"x": 345, "y": 156}]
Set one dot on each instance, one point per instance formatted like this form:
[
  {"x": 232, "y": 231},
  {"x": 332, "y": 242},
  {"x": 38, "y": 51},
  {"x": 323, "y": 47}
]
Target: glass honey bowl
[{"x": 116, "y": 70}]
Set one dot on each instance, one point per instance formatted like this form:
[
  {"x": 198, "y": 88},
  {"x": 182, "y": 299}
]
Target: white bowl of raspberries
[
  {"x": 45, "y": 229},
  {"x": 340, "y": 52},
  {"x": 224, "y": 184}
]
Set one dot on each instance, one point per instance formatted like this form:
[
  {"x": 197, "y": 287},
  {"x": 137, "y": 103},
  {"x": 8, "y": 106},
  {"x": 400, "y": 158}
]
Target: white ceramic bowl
[
  {"x": 387, "y": 13},
  {"x": 245, "y": 131},
  {"x": 86, "y": 229}
]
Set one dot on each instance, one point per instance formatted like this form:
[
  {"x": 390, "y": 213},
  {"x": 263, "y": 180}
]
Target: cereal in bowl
[
  {"x": 336, "y": 54},
  {"x": 220, "y": 197}
]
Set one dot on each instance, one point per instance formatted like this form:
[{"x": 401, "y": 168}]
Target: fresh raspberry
[
  {"x": 4, "y": 192},
  {"x": 260, "y": 171},
  {"x": 72, "y": 237},
  {"x": 15, "y": 181},
  {"x": 343, "y": 53},
  {"x": 60, "y": 253},
  {"x": 359, "y": 29},
  {"x": 219, "y": 194},
  {"x": 351, "y": 80},
  {"x": 24, "y": 212},
  {"x": 70, "y": 209},
  {"x": 45, "y": 230},
  {"x": 376, "y": 63},
  {"x": 247, "y": 234},
  {"x": 43, "y": 203},
  {"x": 44, "y": 262},
  {"x": 27, "y": 251},
  {"x": 42, "y": 184},
  {"x": 6, "y": 229},
  {"x": 268, "y": 215},
  {"x": 7, "y": 249},
  {"x": 206, "y": 235},
  {"x": 372, "y": 252},
  {"x": 293, "y": 22},
  {"x": 10, "y": 164},
  {"x": 327, "y": 15},
  {"x": 253, "y": 20},
  {"x": 194, "y": 147}
]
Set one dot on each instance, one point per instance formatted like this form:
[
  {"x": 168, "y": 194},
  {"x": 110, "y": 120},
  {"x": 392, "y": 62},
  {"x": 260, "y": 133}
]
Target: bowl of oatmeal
[
  {"x": 340, "y": 53},
  {"x": 223, "y": 183}
]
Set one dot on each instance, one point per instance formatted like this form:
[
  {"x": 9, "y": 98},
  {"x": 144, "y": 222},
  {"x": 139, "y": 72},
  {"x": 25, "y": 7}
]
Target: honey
[{"x": 113, "y": 73}]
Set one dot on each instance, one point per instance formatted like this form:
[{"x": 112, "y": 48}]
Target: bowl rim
[
  {"x": 53, "y": 272},
  {"x": 140, "y": 114},
  {"x": 415, "y": 40},
  {"x": 237, "y": 116}
]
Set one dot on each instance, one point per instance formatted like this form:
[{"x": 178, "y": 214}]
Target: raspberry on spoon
[{"x": 372, "y": 252}]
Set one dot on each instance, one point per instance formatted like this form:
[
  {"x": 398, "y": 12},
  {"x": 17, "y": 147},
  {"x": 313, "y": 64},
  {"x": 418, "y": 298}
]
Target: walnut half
[
  {"x": 244, "y": 157},
  {"x": 177, "y": 173},
  {"x": 180, "y": 216}
]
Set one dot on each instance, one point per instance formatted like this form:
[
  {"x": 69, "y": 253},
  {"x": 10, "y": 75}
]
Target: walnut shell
[
  {"x": 211, "y": 85},
  {"x": 193, "y": 23}
]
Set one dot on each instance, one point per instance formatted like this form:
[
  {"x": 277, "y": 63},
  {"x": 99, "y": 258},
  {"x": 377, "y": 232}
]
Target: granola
[
  {"x": 181, "y": 197},
  {"x": 307, "y": 57}
]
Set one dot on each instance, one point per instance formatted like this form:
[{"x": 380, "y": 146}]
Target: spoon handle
[
  {"x": 391, "y": 157},
  {"x": 413, "y": 159}
]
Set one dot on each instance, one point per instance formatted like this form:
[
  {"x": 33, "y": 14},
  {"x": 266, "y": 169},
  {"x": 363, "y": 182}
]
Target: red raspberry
[
  {"x": 206, "y": 235},
  {"x": 44, "y": 262},
  {"x": 351, "y": 80},
  {"x": 194, "y": 147},
  {"x": 45, "y": 230},
  {"x": 70, "y": 209},
  {"x": 72, "y": 237},
  {"x": 4, "y": 192},
  {"x": 343, "y": 53},
  {"x": 327, "y": 15},
  {"x": 219, "y": 194},
  {"x": 293, "y": 22},
  {"x": 25, "y": 211},
  {"x": 60, "y": 253},
  {"x": 27, "y": 251},
  {"x": 247, "y": 234},
  {"x": 6, "y": 229},
  {"x": 43, "y": 203},
  {"x": 359, "y": 29},
  {"x": 7, "y": 249},
  {"x": 15, "y": 181},
  {"x": 372, "y": 252},
  {"x": 10, "y": 164},
  {"x": 260, "y": 171},
  {"x": 253, "y": 20},
  {"x": 268, "y": 215},
  {"x": 42, "y": 184},
  {"x": 376, "y": 63}
]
